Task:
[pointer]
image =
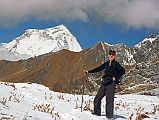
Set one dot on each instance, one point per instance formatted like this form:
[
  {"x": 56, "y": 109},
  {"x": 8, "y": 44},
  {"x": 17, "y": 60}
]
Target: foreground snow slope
[{"x": 36, "y": 102}]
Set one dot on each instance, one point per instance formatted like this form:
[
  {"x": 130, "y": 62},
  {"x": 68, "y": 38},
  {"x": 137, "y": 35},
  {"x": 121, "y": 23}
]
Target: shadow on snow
[{"x": 116, "y": 116}]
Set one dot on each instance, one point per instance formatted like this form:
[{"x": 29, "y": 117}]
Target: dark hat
[{"x": 112, "y": 52}]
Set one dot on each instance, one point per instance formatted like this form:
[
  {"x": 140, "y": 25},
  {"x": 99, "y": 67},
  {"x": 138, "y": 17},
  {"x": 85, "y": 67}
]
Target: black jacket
[{"x": 114, "y": 70}]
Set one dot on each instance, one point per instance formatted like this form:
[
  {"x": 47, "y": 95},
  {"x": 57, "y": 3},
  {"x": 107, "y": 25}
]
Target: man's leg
[
  {"x": 97, "y": 100},
  {"x": 110, "y": 92}
]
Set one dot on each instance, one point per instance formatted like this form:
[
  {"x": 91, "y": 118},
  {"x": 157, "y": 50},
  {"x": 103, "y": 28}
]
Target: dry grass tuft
[
  {"x": 3, "y": 101},
  {"x": 47, "y": 108},
  {"x": 61, "y": 97},
  {"x": 140, "y": 114},
  {"x": 87, "y": 105},
  {"x": 130, "y": 117},
  {"x": 0, "y": 117},
  {"x": 48, "y": 97},
  {"x": 10, "y": 84}
]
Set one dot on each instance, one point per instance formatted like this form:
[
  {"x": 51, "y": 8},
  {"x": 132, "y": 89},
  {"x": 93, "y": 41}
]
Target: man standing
[{"x": 112, "y": 73}]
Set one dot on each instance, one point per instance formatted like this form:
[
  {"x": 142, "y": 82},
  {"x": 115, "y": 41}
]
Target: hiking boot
[
  {"x": 96, "y": 114},
  {"x": 109, "y": 118}
]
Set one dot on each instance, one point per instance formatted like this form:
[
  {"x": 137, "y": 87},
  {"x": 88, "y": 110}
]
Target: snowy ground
[{"x": 22, "y": 101}]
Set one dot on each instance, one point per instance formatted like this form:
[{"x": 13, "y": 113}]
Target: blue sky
[{"x": 122, "y": 21}]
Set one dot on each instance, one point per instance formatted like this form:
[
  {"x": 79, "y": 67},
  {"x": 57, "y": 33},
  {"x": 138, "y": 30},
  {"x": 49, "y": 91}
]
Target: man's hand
[
  {"x": 85, "y": 72},
  {"x": 114, "y": 79}
]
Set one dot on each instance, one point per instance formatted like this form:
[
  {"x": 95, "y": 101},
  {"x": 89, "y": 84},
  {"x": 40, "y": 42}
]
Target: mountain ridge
[{"x": 63, "y": 70}]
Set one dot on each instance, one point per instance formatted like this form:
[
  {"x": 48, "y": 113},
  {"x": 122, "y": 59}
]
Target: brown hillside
[{"x": 61, "y": 71}]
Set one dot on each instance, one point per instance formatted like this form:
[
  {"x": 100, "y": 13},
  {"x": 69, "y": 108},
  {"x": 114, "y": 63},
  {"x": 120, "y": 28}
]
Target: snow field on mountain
[
  {"x": 36, "y": 102},
  {"x": 146, "y": 40}
]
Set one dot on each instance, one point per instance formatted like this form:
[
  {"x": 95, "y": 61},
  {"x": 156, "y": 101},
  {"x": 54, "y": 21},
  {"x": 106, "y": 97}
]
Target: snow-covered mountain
[
  {"x": 36, "y": 42},
  {"x": 22, "y": 101},
  {"x": 149, "y": 39},
  {"x": 147, "y": 50}
]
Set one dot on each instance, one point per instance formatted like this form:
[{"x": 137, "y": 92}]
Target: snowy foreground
[{"x": 22, "y": 101}]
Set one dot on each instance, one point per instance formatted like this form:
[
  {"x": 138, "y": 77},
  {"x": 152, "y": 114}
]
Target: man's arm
[{"x": 97, "y": 69}]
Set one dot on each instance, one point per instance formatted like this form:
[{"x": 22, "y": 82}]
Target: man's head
[{"x": 111, "y": 55}]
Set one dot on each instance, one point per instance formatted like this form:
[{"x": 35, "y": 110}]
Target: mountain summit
[{"x": 36, "y": 42}]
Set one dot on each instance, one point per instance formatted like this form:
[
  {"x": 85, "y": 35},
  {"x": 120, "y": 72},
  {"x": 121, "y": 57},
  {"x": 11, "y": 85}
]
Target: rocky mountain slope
[{"x": 62, "y": 70}]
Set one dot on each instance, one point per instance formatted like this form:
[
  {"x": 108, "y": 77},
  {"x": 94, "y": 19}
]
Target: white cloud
[
  {"x": 130, "y": 13},
  {"x": 6, "y": 55}
]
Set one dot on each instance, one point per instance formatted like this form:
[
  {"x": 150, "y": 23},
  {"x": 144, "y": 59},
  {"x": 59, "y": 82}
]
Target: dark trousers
[{"x": 109, "y": 91}]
